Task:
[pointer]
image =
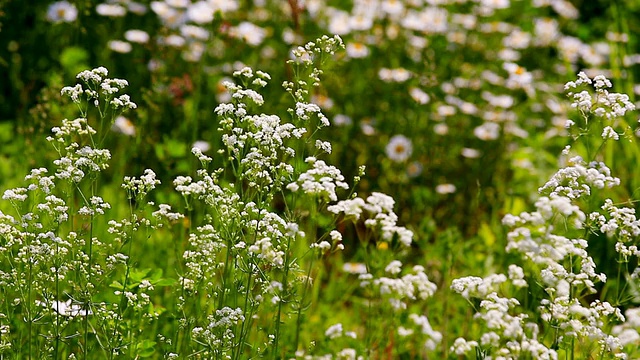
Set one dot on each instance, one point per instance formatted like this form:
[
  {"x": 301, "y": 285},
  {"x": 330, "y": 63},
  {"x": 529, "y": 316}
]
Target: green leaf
[
  {"x": 164, "y": 282},
  {"x": 6, "y": 132},
  {"x": 116, "y": 285},
  {"x": 74, "y": 59},
  {"x": 175, "y": 148},
  {"x": 145, "y": 348}
]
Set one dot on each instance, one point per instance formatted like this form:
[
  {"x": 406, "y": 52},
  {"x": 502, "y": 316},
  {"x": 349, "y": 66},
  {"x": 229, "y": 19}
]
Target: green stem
[
  {"x": 285, "y": 285},
  {"x": 29, "y": 315},
  {"x": 238, "y": 349},
  {"x": 87, "y": 305},
  {"x": 304, "y": 294},
  {"x": 57, "y": 284}
]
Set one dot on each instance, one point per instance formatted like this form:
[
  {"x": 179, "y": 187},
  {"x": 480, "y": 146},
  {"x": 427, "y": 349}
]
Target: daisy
[
  {"x": 445, "y": 189},
  {"x": 354, "y": 268},
  {"x": 136, "y": 36},
  {"x": 124, "y": 126},
  {"x": 62, "y": 11},
  {"x": 357, "y": 50},
  {"x": 399, "y": 148}
]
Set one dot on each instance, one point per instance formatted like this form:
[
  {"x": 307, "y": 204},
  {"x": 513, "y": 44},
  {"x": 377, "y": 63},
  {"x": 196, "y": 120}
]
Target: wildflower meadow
[{"x": 319, "y": 179}]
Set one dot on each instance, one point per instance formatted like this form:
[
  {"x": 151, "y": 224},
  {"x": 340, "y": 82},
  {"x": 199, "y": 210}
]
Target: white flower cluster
[
  {"x": 54, "y": 207},
  {"x": 139, "y": 188},
  {"x": 619, "y": 222},
  {"x": 96, "y": 206},
  {"x": 39, "y": 240},
  {"x": 39, "y": 181},
  {"x": 433, "y": 338},
  {"x": 75, "y": 164},
  {"x": 324, "y": 45},
  {"x": 97, "y": 83},
  {"x": 218, "y": 335},
  {"x": 627, "y": 332},
  {"x": 379, "y": 208},
  {"x": 304, "y": 110},
  {"x": 308, "y": 55},
  {"x": 573, "y": 319},
  {"x": 606, "y": 104},
  {"x": 256, "y": 142},
  {"x": 398, "y": 290},
  {"x": 476, "y": 287},
  {"x": 533, "y": 237},
  {"x": 272, "y": 234},
  {"x": 198, "y": 152},
  {"x": 334, "y": 331},
  {"x": 321, "y": 180},
  {"x": 66, "y": 308},
  {"x": 508, "y": 336},
  {"x": 17, "y": 194},
  {"x": 344, "y": 354},
  {"x": 70, "y": 128},
  {"x": 164, "y": 212},
  {"x": 577, "y": 179},
  {"x": 201, "y": 259}
]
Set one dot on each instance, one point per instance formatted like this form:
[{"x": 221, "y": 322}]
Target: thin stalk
[
  {"x": 238, "y": 349},
  {"x": 123, "y": 295},
  {"x": 225, "y": 274},
  {"x": 57, "y": 285},
  {"x": 573, "y": 348},
  {"x": 29, "y": 315},
  {"x": 299, "y": 315},
  {"x": 87, "y": 305},
  {"x": 285, "y": 285}
]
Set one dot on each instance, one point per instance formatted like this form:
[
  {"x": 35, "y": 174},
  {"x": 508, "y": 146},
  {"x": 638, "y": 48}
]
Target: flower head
[
  {"x": 62, "y": 11},
  {"x": 399, "y": 148}
]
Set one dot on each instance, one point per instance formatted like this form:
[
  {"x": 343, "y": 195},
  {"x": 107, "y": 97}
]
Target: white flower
[
  {"x": 354, "y": 268},
  {"x": 419, "y": 96},
  {"x": 194, "y": 32},
  {"x": 342, "y": 120},
  {"x": 66, "y": 308},
  {"x": 137, "y": 8},
  {"x": 357, "y": 50},
  {"x": 123, "y": 126},
  {"x": 111, "y": 10},
  {"x": 202, "y": 145},
  {"x": 249, "y": 32},
  {"x": 546, "y": 31},
  {"x": 399, "y": 148},
  {"x": 470, "y": 153},
  {"x": 487, "y": 131},
  {"x": 339, "y": 22},
  {"x": 518, "y": 76},
  {"x": 62, "y": 11},
  {"x": 136, "y": 36},
  {"x": 516, "y": 275},
  {"x": 414, "y": 169},
  {"x": 334, "y": 331},
  {"x": 394, "y": 75},
  {"x": 122, "y": 47},
  {"x": 609, "y": 133},
  {"x": 323, "y": 246},
  {"x": 173, "y": 41},
  {"x": 394, "y": 267},
  {"x": 462, "y": 346},
  {"x": 200, "y": 12},
  {"x": 446, "y": 189}
]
